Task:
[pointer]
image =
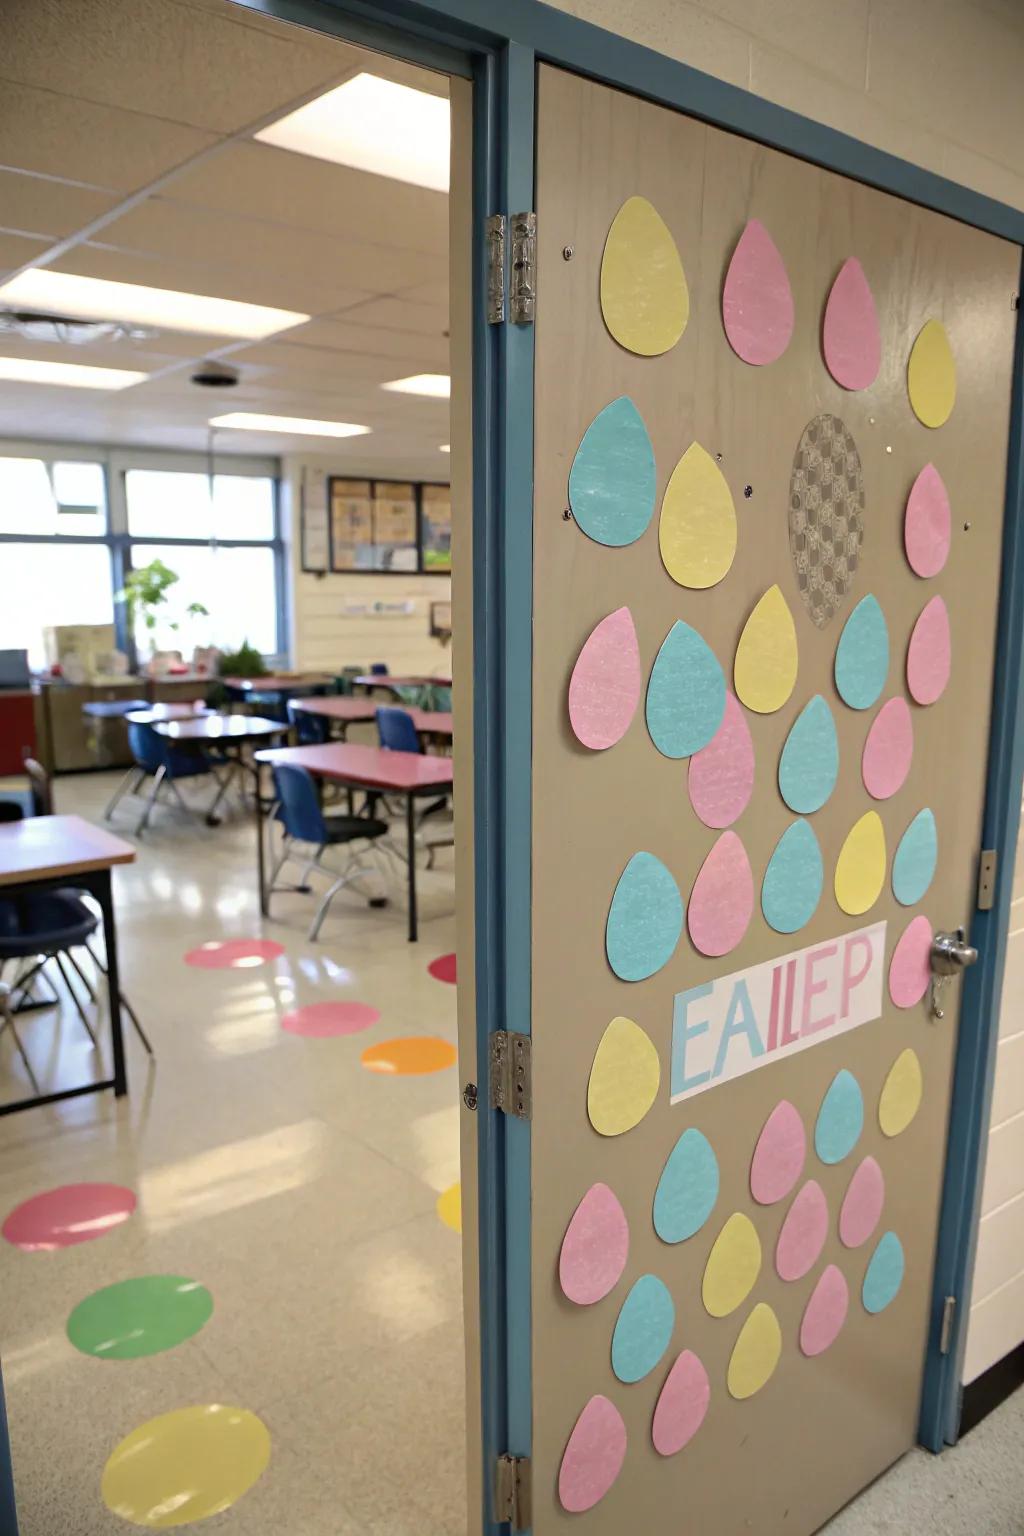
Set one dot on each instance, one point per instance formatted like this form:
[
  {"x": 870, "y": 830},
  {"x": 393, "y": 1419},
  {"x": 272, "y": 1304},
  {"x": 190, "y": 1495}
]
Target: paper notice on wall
[{"x": 752, "y": 1018}]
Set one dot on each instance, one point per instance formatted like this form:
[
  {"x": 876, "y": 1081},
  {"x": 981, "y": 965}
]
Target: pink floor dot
[
  {"x": 69, "y": 1214},
  {"x": 443, "y": 968},
  {"x": 322, "y": 1019},
  {"x": 234, "y": 954}
]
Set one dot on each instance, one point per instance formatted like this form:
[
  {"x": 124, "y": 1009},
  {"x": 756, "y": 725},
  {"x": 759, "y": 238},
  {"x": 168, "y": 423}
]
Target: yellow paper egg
[
  {"x": 764, "y": 672},
  {"x": 624, "y": 1078},
  {"x": 860, "y": 868},
  {"x": 755, "y": 1353},
  {"x": 644, "y": 298},
  {"x": 901, "y": 1094},
  {"x": 697, "y": 532},
  {"x": 733, "y": 1266},
  {"x": 931, "y": 375},
  {"x": 449, "y": 1207}
]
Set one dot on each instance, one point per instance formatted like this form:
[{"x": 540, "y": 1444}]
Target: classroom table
[
  {"x": 61, "y": 852},
  {"x": 411, "y": 774},
  {"x": 371, "y": 680},
  {"x": 279, "y": 685},
  {"x": 228, "y": 733},
  {"x": 345, "y": 711},
  {"x": 156, "y": 714}
]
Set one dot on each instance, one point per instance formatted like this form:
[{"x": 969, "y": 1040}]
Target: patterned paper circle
[{"x": 826, "y": 515}]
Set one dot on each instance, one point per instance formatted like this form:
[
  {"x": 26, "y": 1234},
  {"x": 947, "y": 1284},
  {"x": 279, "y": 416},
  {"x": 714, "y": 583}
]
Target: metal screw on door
[{"x": 950, "y": 954}]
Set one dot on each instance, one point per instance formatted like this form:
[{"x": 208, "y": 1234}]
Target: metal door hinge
[
  {"x": 523, "y": 263},
  {"x": 987, "y": 865},
  {"x": 511, "y": 1076},
  {"x": 948, "y": 1319},
  {"x": 512, "y": 1492},
  {"x": 495, "y": 268}
]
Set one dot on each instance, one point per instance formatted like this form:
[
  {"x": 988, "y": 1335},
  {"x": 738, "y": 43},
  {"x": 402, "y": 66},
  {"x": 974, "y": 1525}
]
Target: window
[
  {"x": 60, "y": 500},
  {"x": 44, "y": 584},
  {"x": 167, "y": 504}
]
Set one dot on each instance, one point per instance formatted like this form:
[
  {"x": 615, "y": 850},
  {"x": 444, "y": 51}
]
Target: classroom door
[{"x": 771, "y": 422}]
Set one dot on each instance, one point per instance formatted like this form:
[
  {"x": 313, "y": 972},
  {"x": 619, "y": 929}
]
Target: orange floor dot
[{"x": 411, "y": 1055}]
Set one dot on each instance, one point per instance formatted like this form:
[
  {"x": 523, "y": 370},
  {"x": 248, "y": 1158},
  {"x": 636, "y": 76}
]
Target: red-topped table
[
  {"x": 351, "y": 711},
  {"x": 372, "y": 680},
  {"x": 156, "y": 714},
  {"x": 411, "y": 774}
]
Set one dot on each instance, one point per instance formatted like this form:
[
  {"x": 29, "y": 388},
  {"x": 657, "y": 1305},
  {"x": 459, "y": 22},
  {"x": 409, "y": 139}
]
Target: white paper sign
[{"x": 750, "y": 1019}]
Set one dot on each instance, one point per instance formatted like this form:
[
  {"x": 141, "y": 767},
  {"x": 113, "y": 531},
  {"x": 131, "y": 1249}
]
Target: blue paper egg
[
  {"x": 862, "y": 655},
  {"x": 686, "y": 693},
  {"x": 645, "y": 919},
  {"x": 884, "y": 1273},
  {"x": 643, "y": 1329},
  {"x": 792, "y": 883},
  {"x": 914, "y": 862},
  {"x": 809, "y": 763},
  {"x": 688, "y": 1188},
  {"x": 612, "y": 482},
  {"x": 840, "y": 1119}
]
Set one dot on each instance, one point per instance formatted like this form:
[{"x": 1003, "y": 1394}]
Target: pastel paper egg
[
  {"x": 722, "y": 898},
  {"x": 645, "y": 919},
  {"x": 643, "y": 1329},
  {"x": 888, "y": 750},
  {"x": 809, "y": 765},
  {"x": 884, "y": 1275},
  {"x": 593, "y": 1457},
  {"x": 792, "y": 883},
  {"x": 682, "y": 1404},
  {"x": 644, "y": 298},
  {"x": 624, "y": 1078},
  {"x": 778, "y": 1159},
  {"x": 697, "y": 531},
  {"x": 927, "y": 523},
  {"x": 595, "y": 1247},
  {"x": 755, "y": 1353},
  {"x": 862, "y": 655},
  {"x": 851, "y": 340},
  {"x": 757, "y": 301},
  {"x": 840, "y": 1119},
  {"x": 900, "y": 1098},
  {"x": 613, "y": 480},
  {"x": 826, "y": 515},
  {"x": 917, "y": 853},
  {"x": 931, "y": 375},
  {"x": 688, "y": 1188},
  {"x": 910, "y": 967},
  {"x": 929, "y": 655},
  {"x": 685, "y": 694},
  {"x": 825, "y": 1312},
  {"x": 764, "y": 672},
  {"x": 604, "y": 689},
  {"x": 860, "y": 868},
  {"x": 803, "y": 1233},
  {"x": 720, "y": 778},
  {"x": 861, "y": 1209},
  {"x": 733, "y": 1266}
]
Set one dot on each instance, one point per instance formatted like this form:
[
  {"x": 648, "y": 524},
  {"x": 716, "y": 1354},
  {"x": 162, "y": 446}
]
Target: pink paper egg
[
  {"x": 929, "y": 655},
  {"x": 851, "y": 341},
  {"x": 682, "y": 1404},
  {"x": 594, "y": 1456},
  {"x": 825, "y": 1313},
  {"x": 595, "y": 1247},
  {"x": 888, "y": 750},
  {"x": 721, "y": 775},
  {"x": 757, "y": 301},
  {"x": 803, "y": 1233},
  {"x": 722, "y": 898},
  {"x": 604, "y": 689},
  {"x": 778, "y": 1159},
  {"x": 910, "y": 966},
  {"x": 927, "y": 523},
  {"x": 862, "y": 1204}
]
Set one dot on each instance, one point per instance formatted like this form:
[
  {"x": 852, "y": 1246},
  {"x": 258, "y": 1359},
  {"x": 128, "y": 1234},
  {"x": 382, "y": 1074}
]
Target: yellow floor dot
[{"x": 185, "y": 1465}]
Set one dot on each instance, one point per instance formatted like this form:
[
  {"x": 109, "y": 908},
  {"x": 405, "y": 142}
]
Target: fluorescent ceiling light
[
  {"x": 28, "y": 370},
  {"x": 94, "y": 298},
  {"x": 251, "y": 421},
  {"x": 438, "y": 385},
  {"x": 446, "y": 447},
  {"x": 372, "y": 125}
]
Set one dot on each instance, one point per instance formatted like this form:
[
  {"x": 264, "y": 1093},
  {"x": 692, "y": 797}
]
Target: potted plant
[{"x": 145, "y": 592}]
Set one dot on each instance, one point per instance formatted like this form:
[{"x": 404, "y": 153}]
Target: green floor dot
[{"x": 139, "y": 1317}]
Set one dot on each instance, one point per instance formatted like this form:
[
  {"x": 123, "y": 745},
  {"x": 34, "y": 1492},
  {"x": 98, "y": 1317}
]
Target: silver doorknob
[{"x": 952, "y": 953}]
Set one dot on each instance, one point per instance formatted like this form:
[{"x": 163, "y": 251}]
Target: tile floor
[{"x": 274, "y": 1169}]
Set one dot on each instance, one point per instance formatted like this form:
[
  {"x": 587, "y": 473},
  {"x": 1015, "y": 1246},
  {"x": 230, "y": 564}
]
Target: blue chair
[
  {"x": 158, "y": 758},
  {"x": 310, "y": 730},
  {"x": 379, "y": 668},
  {"x": 396, "y": 731},
  {"x": 303, "y": 821}
]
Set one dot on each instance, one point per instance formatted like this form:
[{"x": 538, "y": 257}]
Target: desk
[
  {"x": 372, "y": 680},
  {"x": 351, "y": 711},
  {"x": 226, "y": 732},
  {"x": 50, "y": 852},
  {"x": 392, "y": 773},
  {"x": 156, "y": 714}
]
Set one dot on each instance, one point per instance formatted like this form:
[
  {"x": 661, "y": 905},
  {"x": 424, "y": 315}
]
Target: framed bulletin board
[{"x": 389, "y": 527}]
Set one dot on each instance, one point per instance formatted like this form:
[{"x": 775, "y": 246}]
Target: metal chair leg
[
  {"x": 83, "y": 978},
  {"x": 137, "y": 775},
  {"x": 158, "y": 779},
  {"x": 125, "y": 1004},
  {"x": 7, "y": 1022},
  {"x": 59, "y": 958},
  {"x": 223, "y": 785}
]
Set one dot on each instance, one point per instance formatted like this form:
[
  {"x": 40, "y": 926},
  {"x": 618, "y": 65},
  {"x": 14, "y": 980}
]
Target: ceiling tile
[
  {"x": 396, "y": 315},
  {"x": 15, "y": 250},
  {"x": 429, "y": 352},
  {"x": 42, "y": 206}
]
